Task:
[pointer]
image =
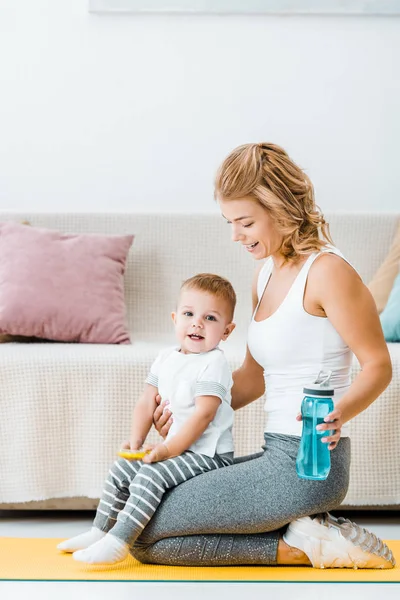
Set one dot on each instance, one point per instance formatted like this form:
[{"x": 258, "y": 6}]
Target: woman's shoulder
[
  {"x": 332, "y": 280},
  {"x": 332, "y": 268}
]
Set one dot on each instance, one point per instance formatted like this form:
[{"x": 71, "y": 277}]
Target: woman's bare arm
[
  {"x": 248, "y": 380},
  {"x": 349, "y": 306}
]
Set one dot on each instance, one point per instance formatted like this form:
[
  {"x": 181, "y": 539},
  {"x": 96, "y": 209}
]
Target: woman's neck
[{"x": 282, "y": 264}]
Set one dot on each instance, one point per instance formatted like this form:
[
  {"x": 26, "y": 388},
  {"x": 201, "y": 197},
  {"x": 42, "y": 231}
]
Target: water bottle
[{"x": 313, "y": 458}]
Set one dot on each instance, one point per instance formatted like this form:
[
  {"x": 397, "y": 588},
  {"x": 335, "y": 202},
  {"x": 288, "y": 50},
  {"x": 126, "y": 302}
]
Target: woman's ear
[{"x": 228, "y": 330}]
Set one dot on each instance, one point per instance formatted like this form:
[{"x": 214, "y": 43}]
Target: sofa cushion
[
  {"x": 390, "y": 317},
  {"x": 5, "y": 337},
  {"x": 62, "y": 287},
  {"x": 381, "y": 284}
]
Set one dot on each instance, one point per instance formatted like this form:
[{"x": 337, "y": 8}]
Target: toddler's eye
[
  {"x": 188, "y": 314},
  {"x": 210, "y": 318}
]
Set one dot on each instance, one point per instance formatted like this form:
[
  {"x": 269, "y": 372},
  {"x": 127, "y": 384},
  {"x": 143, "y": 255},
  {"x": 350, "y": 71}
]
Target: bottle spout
[
  {"x": 323, "y": 378},
  {"x": 321, "y": 386}
]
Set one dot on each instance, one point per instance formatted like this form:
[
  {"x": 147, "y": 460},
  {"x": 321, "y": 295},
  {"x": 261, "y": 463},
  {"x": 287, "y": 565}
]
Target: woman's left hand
[{"x": 333, "y": 423}]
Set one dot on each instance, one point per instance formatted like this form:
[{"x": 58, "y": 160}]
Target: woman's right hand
[{"x": 162, "y": 417}]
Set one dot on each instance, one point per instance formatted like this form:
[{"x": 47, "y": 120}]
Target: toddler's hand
[
  {"x": 127, "y": 445},
  {"x": 157, "y": 453}
]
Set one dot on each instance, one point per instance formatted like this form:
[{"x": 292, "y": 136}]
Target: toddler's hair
[{"x": 213, "y": 284}]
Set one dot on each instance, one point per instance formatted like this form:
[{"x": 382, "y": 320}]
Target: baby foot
[
  {"x": 81, "y": 541},
  {"x": 108, "y": 550}
]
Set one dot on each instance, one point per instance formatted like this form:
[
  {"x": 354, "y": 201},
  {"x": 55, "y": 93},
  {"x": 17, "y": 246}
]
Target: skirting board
[{"x": 268, "y": 7}]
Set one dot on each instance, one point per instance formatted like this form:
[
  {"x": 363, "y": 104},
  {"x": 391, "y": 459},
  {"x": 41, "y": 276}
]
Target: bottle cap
[{"x": 321, "y": 386}]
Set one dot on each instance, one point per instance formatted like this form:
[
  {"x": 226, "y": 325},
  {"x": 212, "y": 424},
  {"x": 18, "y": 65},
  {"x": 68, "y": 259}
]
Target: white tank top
[{"x": 292, "y": 346}]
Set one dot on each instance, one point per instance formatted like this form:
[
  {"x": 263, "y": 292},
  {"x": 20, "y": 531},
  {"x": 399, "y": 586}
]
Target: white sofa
[{"x": 64, "y": 408}]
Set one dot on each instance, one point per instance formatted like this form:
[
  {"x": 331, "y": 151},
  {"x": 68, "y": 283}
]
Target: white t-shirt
[{"x": 181, "y": 378}]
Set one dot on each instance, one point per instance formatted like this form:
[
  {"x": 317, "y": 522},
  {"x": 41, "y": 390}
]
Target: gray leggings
[
  {"x": 235, "y": 515},
  {"x": 133, "y": 490}
]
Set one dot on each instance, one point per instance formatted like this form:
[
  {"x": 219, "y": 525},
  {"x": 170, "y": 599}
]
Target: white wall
[{"x": 125, "y": 113}]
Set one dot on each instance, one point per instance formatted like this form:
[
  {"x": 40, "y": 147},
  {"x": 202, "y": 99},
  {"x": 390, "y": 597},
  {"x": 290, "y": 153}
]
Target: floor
[{"x": 67, "y": 524}]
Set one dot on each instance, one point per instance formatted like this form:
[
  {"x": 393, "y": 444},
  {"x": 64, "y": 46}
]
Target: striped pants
[{"x": 133, "y": 490}]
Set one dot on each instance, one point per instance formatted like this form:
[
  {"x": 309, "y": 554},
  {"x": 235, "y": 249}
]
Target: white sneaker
[{"x": 331, "y": 542}]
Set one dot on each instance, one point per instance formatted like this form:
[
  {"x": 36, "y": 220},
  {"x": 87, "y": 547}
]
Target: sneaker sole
[{"x": 380, "y": 555}]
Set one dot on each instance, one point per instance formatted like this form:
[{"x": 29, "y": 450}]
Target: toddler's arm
[
  {"x": 142, "y": 418},
  {"x": 205, "y": 411}
]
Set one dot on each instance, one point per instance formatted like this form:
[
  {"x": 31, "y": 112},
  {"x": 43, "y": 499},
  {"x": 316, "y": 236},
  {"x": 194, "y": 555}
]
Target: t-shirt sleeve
[
  {"x": 152, "y": 377},
  {"x": 215, "y": 380}
]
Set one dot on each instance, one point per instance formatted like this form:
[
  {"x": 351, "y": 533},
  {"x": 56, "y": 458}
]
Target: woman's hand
[
  {"x": 334, "y": 423},
  {"x": 162, "y": 417}
]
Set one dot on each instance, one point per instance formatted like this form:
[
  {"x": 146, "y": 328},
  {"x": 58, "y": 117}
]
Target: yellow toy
[{"x": 132, "y": 455}]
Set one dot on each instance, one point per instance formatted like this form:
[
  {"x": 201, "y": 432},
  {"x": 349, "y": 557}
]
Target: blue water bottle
[{"x": 313, "y": 458}]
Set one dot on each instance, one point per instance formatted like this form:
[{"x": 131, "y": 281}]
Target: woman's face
[{"x": 252, "y": 226}]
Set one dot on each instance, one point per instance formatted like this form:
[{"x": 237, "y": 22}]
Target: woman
[{"x": 311, "y": 311}]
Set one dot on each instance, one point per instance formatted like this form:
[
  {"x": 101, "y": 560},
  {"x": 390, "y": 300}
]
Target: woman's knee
[{"x": 141, "y": 551}]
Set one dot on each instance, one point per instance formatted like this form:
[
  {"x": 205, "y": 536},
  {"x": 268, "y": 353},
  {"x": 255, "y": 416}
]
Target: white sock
[
  {"x": 108, "y": 550},
  {"x": 82, "y": 541}
]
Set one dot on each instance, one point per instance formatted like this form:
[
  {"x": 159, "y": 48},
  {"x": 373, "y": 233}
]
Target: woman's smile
[{"x": 251, "y": 247}]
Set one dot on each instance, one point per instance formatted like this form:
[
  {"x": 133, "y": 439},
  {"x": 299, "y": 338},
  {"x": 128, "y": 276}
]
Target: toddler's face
[{"x": 201, "y": 321}]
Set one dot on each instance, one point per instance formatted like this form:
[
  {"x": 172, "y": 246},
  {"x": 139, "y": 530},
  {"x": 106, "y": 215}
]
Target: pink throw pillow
[{"x": 62, "y": 287}]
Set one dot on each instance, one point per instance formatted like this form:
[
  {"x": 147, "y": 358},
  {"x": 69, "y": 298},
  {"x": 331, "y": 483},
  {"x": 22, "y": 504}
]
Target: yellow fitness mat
[{"x": 37, "y": 559}]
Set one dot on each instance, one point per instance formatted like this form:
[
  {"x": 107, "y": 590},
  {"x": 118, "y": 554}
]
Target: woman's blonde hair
[{"x": 266, "y": 173}]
